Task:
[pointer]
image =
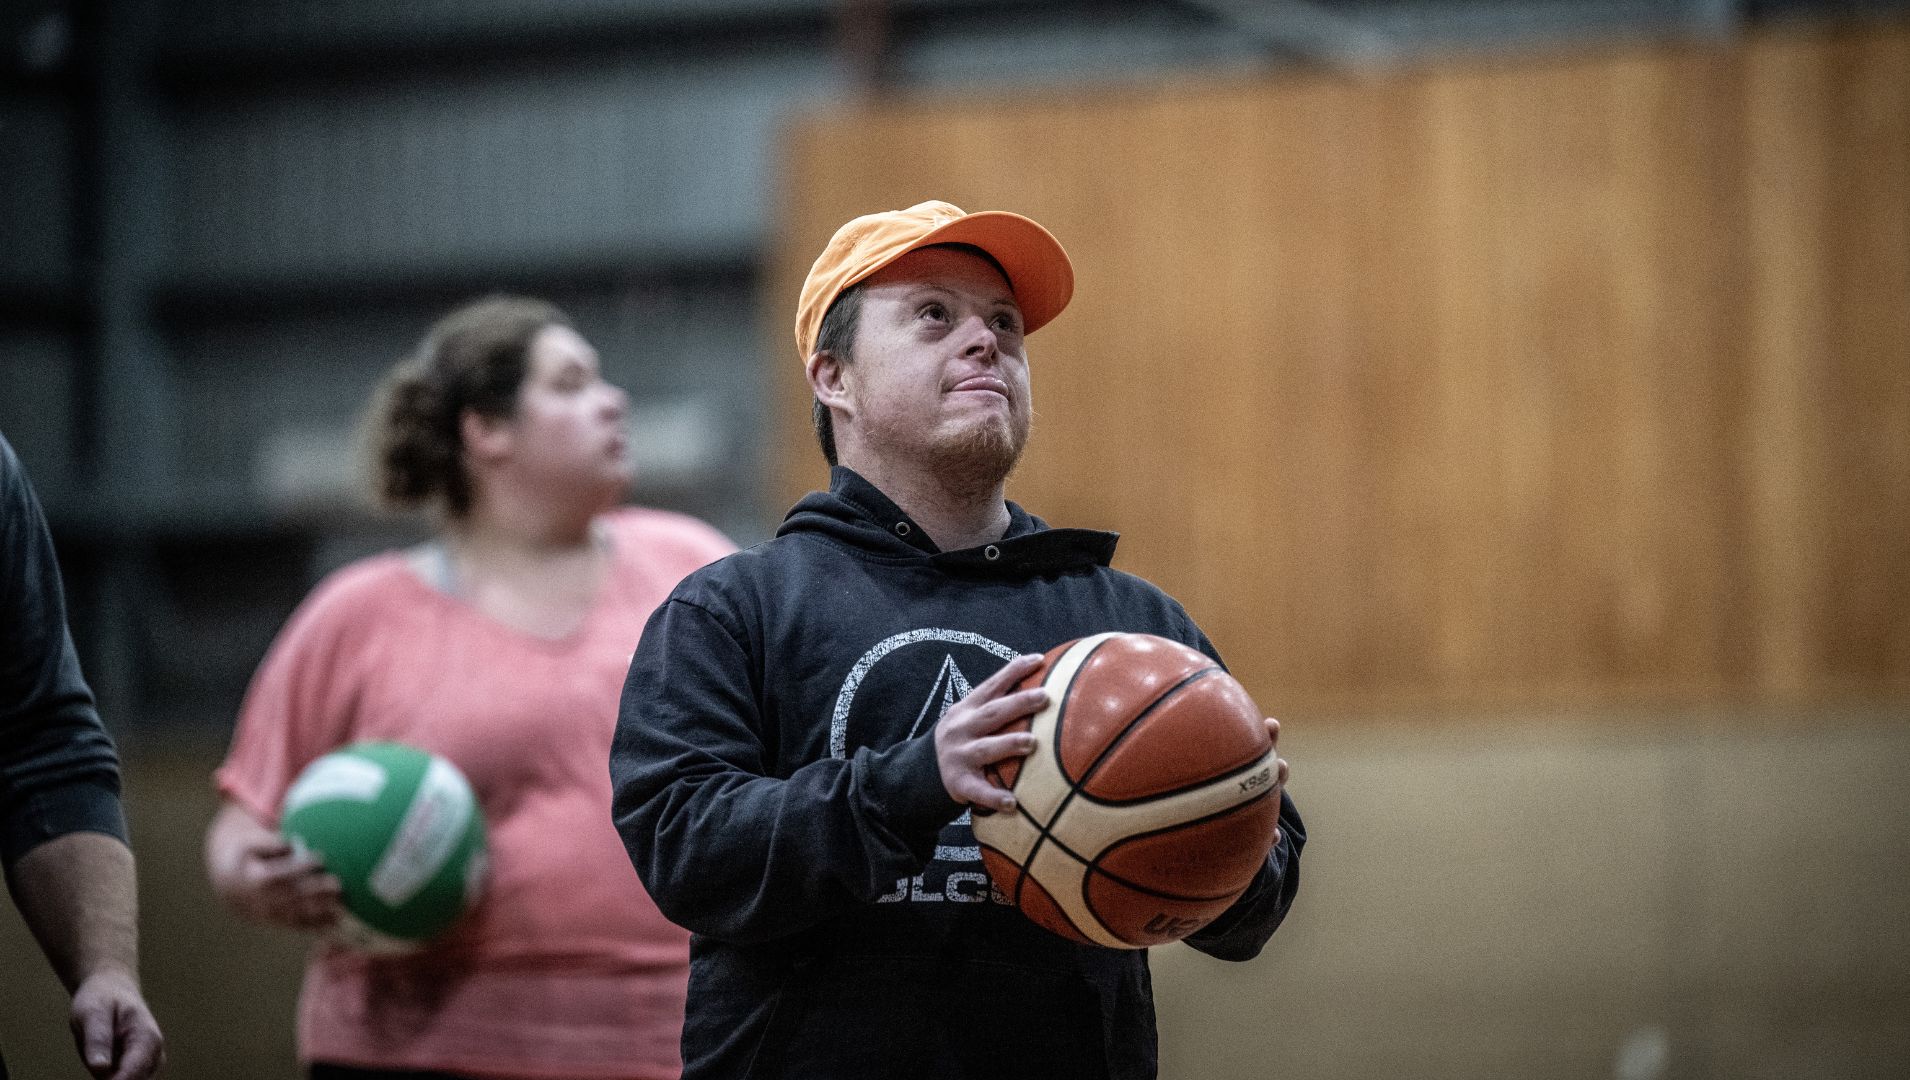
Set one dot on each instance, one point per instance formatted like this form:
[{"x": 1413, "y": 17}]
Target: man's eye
[
  {"x": 1006, "y": 323},
  {"x": 935, "y": 311}
]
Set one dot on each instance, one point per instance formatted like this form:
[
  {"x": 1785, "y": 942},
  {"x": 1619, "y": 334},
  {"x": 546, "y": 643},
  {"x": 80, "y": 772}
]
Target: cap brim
[{"x": 1037, "y": 266}]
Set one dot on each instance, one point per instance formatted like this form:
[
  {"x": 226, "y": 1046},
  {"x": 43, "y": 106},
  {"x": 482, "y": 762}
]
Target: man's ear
[{"x": 829, "y": 379}]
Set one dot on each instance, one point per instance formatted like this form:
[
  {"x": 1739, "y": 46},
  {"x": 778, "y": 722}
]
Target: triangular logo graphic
[{"x": 950, "y": 687}]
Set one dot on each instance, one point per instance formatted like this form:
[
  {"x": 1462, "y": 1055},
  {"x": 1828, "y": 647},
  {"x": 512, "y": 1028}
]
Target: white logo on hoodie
[
  {"x": 949, "y": 686},
  {"x": 945, "y": 680}
]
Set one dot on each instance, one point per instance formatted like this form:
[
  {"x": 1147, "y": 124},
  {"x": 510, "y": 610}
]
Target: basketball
[
  {"x": 402, "y": 832},
  {"x": 1146, "y": 806}
]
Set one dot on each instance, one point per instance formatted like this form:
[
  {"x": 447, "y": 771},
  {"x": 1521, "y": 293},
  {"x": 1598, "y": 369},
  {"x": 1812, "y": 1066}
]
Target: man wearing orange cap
[{"x": 806, "y": 723}]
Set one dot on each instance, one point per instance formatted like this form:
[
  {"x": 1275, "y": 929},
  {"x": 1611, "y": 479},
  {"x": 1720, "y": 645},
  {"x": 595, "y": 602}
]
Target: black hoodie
[
  {"x": 59, "y": 772},
  {"x": 776, "y": 786}
]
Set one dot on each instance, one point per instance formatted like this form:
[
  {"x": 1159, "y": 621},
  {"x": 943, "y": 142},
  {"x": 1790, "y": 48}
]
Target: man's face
[{"x": 939, "y": 373}]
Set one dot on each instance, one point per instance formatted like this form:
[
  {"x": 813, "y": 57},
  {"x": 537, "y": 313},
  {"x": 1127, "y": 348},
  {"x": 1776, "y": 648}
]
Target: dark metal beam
[
  {"x": 188, "y": 299},
  {"x": 211, "y": 66},
  {"x": 54, "y": 307},
  {"x": 864, "y": 39},
  {"x": 211, "y": 71},
  {"x": 1307, "y": 29}
]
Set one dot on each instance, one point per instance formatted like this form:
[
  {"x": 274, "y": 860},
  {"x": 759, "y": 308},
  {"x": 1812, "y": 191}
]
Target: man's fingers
[
  {"x": 1022, "y": 702},
  {"x": 987, "y": 751},
  {"x": 1281, "y": 771},
  {"x": 1273, "y": 730},
  {"x": 967, "y": 737},
  {"x": 1006, "y": 676},
  {"x": 979, "y": 719},
  {"x": 142, "y": 1059},
  {"x": 978, "y": 791},
  {"x": 93, "y": 1031},
  {"x": 142, "y": 1048}
]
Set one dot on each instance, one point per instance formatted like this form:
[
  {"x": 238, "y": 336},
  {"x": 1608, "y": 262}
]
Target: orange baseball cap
[{"x": 1038, "y": 269}]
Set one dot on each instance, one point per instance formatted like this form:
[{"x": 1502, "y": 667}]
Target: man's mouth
[{"x": 986, "y": 383}]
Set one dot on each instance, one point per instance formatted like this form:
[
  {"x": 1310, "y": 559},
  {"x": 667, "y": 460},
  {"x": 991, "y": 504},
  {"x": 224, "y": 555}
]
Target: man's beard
[
  {"x": 980, "y": 458},
  {"x": 974, "y": 461}
]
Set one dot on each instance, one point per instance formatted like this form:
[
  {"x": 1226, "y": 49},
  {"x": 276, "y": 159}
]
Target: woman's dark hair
[{"x": 475, "y": 358}]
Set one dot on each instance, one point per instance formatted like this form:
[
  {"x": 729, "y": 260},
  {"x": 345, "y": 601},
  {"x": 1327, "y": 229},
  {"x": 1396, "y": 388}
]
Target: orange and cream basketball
[{"x": 1148, "y": 803}]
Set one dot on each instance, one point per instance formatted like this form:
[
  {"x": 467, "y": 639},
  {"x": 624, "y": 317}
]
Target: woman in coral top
[{"x": 501, "y": 644}]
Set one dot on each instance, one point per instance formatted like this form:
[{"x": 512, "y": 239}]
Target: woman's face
[{"x": 568, "y": 431}]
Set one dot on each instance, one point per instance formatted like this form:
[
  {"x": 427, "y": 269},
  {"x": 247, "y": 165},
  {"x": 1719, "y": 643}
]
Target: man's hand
[
  {"x": 114, "y": 1030},
  {"x": 1280, "y": 769},
  {"x": 272, "y": 883},
  {"x": 966, "y": 739},
  {"x": 77, "y": 893}
]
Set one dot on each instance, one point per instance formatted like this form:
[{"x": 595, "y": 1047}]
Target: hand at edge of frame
[{"x": 113, "y": 1028}]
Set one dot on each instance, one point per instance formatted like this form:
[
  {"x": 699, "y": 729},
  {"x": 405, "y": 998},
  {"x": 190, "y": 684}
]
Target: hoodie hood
[{"x": 854, "y": 514}]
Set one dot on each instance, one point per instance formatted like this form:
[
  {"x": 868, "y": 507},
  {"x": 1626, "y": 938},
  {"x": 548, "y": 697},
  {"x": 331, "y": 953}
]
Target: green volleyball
[{"x": 401, "y": 830}]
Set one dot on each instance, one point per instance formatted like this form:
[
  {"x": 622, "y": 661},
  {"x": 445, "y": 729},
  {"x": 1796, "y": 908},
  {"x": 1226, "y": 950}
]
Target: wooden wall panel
[
  {"x": 1867, "y": 634},
  {"x": 1564, "y": 378}
]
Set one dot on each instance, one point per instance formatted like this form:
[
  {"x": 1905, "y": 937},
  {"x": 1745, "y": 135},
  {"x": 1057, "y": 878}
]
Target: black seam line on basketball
[
  {"x": 1094, "y": 864},
  {"x": 1095, "y": 867},
  {"x": 1021, "y": 866},
  {"x": 1057, "y": 905},
  {"x": 1060, "y": 715},
  {"x": 1074, "y": 786},
  {"x": 1238, "y": 770},
  {"x": 1159, "y": 700}
]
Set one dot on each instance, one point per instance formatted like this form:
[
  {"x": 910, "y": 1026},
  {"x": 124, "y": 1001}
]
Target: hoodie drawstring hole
[
  {"x": 902, "y": 528},
  {"x": 991, "y": 553}
]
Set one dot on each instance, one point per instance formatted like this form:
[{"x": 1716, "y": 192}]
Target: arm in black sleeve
[
  {"x": 726, "y": 849},
  {"x": 59, "y": 773}
]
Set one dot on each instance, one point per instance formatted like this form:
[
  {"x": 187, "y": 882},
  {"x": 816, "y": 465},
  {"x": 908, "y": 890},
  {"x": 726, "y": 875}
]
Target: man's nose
[{"x": 980, "y": 341}]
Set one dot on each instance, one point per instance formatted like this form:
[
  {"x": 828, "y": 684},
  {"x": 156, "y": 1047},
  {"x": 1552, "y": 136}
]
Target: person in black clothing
[
  {"x": 62, "y": 833},
  {"x": 805, "y": 723}
]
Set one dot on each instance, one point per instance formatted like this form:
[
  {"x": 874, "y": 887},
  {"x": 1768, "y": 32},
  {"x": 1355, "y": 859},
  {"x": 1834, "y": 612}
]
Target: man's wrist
[
  {"x": 908, "y": 782},
  {"x": 115, "y": 970}
]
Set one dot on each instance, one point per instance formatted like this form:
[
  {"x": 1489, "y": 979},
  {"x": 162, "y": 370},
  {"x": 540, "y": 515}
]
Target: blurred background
[{"x": 1518, "y": 393}]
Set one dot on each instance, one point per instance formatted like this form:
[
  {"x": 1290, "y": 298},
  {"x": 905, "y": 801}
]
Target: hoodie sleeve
[
  {"x": 59, "y": 772},
  {"x": 1240, "y": 932},
  {"x": 727, "y": 850}
]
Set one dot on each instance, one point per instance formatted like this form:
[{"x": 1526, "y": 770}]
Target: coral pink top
[{"x": 565, "y": 969}]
